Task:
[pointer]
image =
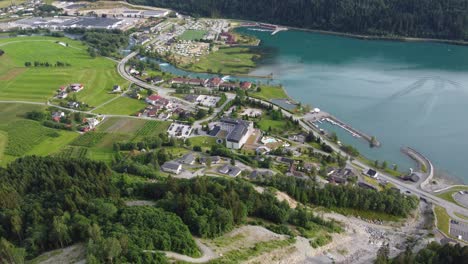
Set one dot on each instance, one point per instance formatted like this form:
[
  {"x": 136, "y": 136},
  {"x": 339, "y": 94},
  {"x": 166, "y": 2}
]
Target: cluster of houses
[
  {"x": 214, "y": 82},
  {"x": 25, "y": 9},
  {"x": 228, "y": 38},
  {"x": 177, "y": 166},
  {"x": 86, "y": 125},
  {"x": 64, "y": 91}
]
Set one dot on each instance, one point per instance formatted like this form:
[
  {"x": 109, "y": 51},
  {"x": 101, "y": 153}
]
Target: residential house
[
  {"x": 116, "y": 89},
  {"x": 92, "y": 122},
  {"x": 57, "y": 116},
  {"x": 229, "y": 170},
  {"x": 228, "y": 86},
  {"x": 372, "y": 173},
  {"x": 157, "y": 100},
  {"x": 188, "y": 159},
  {"x": 73, "y": 104},
  {"x": 214, "y": 82},
  {"x": 172, "y": 167},
  {"x": 76, "y": 87},
  {"x": 245, "y": 85}
]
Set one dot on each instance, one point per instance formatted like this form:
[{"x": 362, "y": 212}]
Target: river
[{"x": 406, "y": 94}]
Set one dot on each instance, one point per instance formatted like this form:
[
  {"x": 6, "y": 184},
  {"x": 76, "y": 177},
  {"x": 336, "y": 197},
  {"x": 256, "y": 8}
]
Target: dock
[{"x": 321, "y": 117}]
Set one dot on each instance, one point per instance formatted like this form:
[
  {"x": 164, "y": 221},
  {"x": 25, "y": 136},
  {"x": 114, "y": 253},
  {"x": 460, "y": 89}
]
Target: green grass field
[
  {"x": 270, "y": 92},
  {"x": 443, "y": 219},
  {"x": 192, "y": 34},
  {"x": 18, "y": 82},
  {"x": 236, "y": 60},
  {"x": 121, "y": 106},
  {"x": 203, "y": 141},
  {"x": 7, "y": 3},
  {"x": 448, "y": 195}
]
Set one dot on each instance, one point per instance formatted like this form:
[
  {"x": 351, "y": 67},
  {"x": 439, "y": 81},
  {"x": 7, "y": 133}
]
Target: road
[
  {"x": 207, "y": 254},
  {"x": 403, "y": 186}
]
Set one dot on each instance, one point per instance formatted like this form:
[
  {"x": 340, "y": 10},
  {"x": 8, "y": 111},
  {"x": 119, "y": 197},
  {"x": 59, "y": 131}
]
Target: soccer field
[
  {"x": 192, "y": 34},
  {"x": 18, "y": 82}
]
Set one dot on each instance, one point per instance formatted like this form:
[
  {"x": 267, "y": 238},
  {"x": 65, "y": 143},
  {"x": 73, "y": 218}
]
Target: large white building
[{"x": 238, "y": 132}]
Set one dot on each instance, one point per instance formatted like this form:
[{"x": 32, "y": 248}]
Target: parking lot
[{"x": 459, "y": 230}]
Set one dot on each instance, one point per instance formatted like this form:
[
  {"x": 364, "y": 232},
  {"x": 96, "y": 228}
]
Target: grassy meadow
[
  {"x": 121, "y": 106},
  {"x": 37, "y": 84},
  {"x": 237, "y": 60}
]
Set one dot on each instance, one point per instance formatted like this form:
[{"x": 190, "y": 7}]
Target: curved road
[
  {"x": 404, "y": 187},
  {"x": 207, "y": 254}
]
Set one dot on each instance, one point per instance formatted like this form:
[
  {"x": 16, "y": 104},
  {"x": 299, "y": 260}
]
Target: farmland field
[
  {"x": 121, "y": 125},
  {"x": 121, "y": 106},
  {"x": 23, "y": 135},
  {"x": 89, "y": 139},
  {"x": 73, "y": 152},
  {"x": 152, "y": 128},
  {"x": 18, "y": 82},
  {"x": 192, "y": 34}
]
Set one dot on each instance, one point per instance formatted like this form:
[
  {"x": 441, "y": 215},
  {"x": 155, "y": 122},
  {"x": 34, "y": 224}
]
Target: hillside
[{"x": 412, "y": 18}]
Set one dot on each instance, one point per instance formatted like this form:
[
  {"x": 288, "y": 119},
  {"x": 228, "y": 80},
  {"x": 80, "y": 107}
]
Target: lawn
[
  {"x": 443, "y": 219},
  {"x": 37, "y": 84},
  {"x": 276, "y": 125},
  {"x": 237, "y": 60},
  {"x": 448, "y": 195},
  {"x": 203, "y": 141},
  {"x": 270, "y": 92},
  {"x": 192, "y": 34},
  {"x": 121, "y": 106},
  {"x": 7, "y": 3}
]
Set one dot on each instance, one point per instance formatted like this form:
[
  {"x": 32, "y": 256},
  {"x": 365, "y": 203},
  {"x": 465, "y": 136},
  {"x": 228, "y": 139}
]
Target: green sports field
[
  {"x": 37, "y": 84},
  {"x": 192, "y": 34}
]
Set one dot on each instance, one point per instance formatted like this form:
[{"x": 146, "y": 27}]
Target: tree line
[
  {"x": 49, "y": 202},
  {"x": 46, "y": 64},
  {"x": 344, "y": 196},
  {"x": 412, "y": 18},
  {"x": 102, "y": 42}
]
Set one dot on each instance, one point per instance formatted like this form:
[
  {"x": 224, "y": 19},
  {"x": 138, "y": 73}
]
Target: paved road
[{"x": 403, "y": 186}]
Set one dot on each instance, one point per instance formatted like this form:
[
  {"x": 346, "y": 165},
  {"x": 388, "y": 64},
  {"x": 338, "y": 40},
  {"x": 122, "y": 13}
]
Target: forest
[
  {"x": 48, "y": 203},
  {"x": 442, "y": 19},
  {"x": 307, "y": 191},
  {"x": 433, "y": 253},
  {"x": 101, "y": 41}
]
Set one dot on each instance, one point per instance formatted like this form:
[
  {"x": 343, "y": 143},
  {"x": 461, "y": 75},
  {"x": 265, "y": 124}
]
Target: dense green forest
[
  {"x": 102, "y": 42},
  {"x": 48, "y": 203},
  {"x": 433, "y": 253},
  {"x": 307, "y": 191},
  {"x": 445, "y": 19}
]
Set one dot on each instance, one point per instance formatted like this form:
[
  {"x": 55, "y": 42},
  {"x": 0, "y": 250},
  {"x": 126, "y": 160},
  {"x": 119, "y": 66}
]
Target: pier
[{"x": 320, "y": 117}]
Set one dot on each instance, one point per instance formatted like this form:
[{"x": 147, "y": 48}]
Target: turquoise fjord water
[{"x": 406, "y": 94}]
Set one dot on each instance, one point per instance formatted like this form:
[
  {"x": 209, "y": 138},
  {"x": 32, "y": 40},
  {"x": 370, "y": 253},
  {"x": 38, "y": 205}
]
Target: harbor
[{"x": 317, "y": 117}]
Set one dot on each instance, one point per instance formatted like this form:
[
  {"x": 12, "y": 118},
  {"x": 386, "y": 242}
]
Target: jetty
[
  {"x": 266, "y": 27},
  {"x": 320, "y": 117}
]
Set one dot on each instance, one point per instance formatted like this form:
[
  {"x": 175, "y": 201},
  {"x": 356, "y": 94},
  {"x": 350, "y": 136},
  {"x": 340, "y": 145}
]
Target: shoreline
[{"x": 369, "y": 37}]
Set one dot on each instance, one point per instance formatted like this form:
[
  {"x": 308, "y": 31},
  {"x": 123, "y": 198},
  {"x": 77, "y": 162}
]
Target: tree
[
  {"x": 112, "y": 248},
  {"x": 384, "y": 165},
  {"x": 382, "y": 255},
  {"x": 60, "y": 231},
  {"x": 9, "y": 254}
]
